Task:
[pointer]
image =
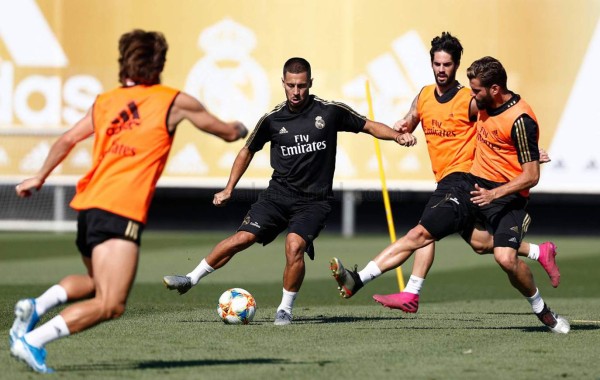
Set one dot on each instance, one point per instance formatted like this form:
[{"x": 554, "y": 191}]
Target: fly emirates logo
[
  {"x": 303, "y": 145},
  {"x": 31, "y": 44}
]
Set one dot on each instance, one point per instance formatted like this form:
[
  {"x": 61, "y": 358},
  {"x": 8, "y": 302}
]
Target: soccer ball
[{"x": 236, "y": 306}]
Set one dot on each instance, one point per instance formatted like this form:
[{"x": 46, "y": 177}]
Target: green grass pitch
[{"x": 471, "y": 323}]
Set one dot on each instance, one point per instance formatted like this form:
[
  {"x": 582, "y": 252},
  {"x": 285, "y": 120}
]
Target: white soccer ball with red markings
[{"x": 236, "y": 307}]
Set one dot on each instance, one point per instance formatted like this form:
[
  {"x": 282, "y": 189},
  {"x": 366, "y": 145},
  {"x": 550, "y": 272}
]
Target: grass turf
[{"x": 471, "y": 323}]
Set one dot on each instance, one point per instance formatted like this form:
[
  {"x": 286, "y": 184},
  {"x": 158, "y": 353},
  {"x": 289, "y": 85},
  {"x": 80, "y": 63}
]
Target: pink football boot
[
  {"x": 548, "y": 262},
  {"x": 407, "y": 302}
]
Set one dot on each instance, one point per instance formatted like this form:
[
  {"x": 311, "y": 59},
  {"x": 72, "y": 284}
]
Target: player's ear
[
  {"x": 494, "y": 89},
  {"x": 310, "y": 83}
]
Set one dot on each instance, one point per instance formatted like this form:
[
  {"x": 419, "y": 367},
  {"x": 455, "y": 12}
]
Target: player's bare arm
[
  {"x": 59, "y": 150},
  {"x": 240, "y": 165},
  {"x": 187, "y": 107},
  {"x": 473, "y": 110},
  {"x": 383, "y": 132},
  {"x": 544, "y": 156},
  {"x": 526, "y": 180},
  {"x": 409, "y": 122}
]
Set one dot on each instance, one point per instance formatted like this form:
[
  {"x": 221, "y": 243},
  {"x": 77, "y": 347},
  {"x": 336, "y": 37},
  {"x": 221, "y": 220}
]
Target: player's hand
[
  {"x": 406, "y": 139},
  {"x": 481, "y": 196},
  {"x": 221, "y": 198},
  {"x": 544, "y": 157},
  {"x": 241, "y": 129},
  {"x": 25, "y": 188},
  {"x": 401, "y": 126}
]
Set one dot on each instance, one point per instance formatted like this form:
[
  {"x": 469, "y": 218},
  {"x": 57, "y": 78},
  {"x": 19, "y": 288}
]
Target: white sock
[
  {"x": 370, "y": 272},
  {"x": 54, "y": 296},
  {"x": 202, "y": 270},
  {"x": 49, "y": 331},
  {"x": 414, "y": 284},
  {"x": 287, "y": 301},
  {"x": 536, "y": 302},
  {"x": 534, "y": 251}
]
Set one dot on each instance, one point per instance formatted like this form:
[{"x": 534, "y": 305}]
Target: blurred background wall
[{"x": 56, "y": 55}]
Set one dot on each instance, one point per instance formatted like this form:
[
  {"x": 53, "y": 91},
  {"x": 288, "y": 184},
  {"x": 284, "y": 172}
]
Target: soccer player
[
  {"x": 496, "y": 190},
  {"x": 447, "y": 112},
  {"x": 302, "y": 132},
  {"x": 133, "y": 127}
]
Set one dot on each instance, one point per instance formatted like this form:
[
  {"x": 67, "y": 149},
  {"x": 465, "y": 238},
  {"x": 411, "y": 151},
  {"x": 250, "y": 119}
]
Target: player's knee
[
  {"x": 479, "y": 248},
  {"x": 508, "y": 263},
  {"x": 294, "y": 248},
  {"x": 243, "y": 240},
  {"x": 418, "y": 235},
  {"x": 113, "y": 311}
]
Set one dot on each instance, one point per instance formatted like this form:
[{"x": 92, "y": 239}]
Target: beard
[
  {"x": 481, "y": 104},
  {"x": 485, "y": 103},
  {"x": 445, "y": 81}
]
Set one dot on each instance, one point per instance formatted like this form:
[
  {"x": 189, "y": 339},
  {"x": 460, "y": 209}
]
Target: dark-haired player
[
  {"x": 302, "y": 132},
  {"x": 495, "y": 191},
  {"x": 447, "y": 112}
]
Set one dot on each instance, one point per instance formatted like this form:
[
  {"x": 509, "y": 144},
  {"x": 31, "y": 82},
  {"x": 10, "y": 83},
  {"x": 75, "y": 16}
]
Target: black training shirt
[{"x": 304, "y": 143}]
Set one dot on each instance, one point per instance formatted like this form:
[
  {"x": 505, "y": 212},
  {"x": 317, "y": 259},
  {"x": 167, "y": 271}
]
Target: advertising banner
[{"x": 57, "y": 55}]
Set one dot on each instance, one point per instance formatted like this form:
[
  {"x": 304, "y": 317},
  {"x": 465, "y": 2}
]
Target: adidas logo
[
  {"x": 29, "y": 42},
  {"x": 398, "y": 73},
  {"x": 513, "y": 240},
  {"x": 515, "y": 229},
  {"x": 283, "y": 130}
]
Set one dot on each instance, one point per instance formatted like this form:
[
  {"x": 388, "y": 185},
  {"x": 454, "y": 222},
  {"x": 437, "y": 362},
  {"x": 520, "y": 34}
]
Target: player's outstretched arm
[
  {"x": 241, "y": 163},
  {"x": 187, "y": 107},
  {"x": 59, "y": 150},
  {"x": 383, "y": 132}
]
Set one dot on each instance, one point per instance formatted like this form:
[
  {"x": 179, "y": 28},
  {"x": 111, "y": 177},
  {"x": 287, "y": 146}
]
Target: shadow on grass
[
  {"x": 166, "y": 364},
  {"x": 338, "y": 319},
  {"x": 575, "y": 326}
]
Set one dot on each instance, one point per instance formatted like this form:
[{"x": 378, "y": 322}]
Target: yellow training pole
[{"x": 386, "y": 197}]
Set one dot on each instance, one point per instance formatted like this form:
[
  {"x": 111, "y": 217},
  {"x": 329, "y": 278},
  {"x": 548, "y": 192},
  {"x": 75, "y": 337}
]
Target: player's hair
[
  {"x": 448, "y": 43},
  {"x": 297, "y": 65},
  {"x": 489, "y": 71},
  {"x": 142, "y": 56}
]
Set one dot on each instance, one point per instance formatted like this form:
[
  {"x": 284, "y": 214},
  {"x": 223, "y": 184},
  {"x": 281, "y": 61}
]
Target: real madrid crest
[{"x": 319, "y": 122}]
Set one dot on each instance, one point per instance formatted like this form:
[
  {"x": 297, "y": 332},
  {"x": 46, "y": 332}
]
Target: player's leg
[
  {"x": 449, "y": 214},
  {"x": 518, "y": 272},
  {"x": 294, "y": 271},
  {"x": 306, "y": 222},
  {"x": 262, "y": 224},
  {"x": 408, "y": 299},
  {"x": 350, "y": 281},
  {"x": 29, "y": 311},
  {"x": 114, "y": 264},
  {"x": 293, "y": 276},
  {"x": 217, "y": 258},
  {"x": 482, "y": 242},
  {"x": 74, "y": 287},
  {"x": 507, "y": 240},
  {"x": 227, "y": 248}
]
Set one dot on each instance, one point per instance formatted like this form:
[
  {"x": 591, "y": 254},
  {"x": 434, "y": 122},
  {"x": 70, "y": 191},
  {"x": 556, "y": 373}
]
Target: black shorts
[
  {"x": 95, "y": 226},
  {"x": 278, "y": 209},
  {"x": 449, "y": 208},
  {"x": 505, "y": 218}
]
